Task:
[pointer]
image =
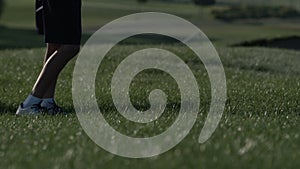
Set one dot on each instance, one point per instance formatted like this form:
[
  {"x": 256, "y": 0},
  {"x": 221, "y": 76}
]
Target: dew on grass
[
  {"x": 34, "y": 151},
  {"x": 249, "y": 144},
  {"x": 68, "y": 154},
  {"x": 44, "y": 147},
  {"x": 29, "y": 126},
  {"x": 71, "y": 137},
  {"x": 79, "y": 133}
]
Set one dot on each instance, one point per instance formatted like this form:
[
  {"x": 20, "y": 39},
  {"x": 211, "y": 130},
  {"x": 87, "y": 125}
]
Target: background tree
[
  {"x": 204, "y": 2},
  {"x": 1, "y": 6},
  {"x": 142, "y": 1}
]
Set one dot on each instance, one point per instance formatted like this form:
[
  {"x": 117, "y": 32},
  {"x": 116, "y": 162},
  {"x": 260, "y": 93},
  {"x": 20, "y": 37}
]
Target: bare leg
[
  {"x": 51, "y": 48},
  {"x": 53, "y": 66}
]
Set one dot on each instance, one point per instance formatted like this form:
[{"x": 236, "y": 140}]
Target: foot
[
  {"x": 54, "y": 109},
  {"x": 34, "y": 109}
]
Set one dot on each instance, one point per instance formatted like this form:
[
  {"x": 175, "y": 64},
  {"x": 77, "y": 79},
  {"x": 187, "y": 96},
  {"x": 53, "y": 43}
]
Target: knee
[{"x": 73, "y": 50}]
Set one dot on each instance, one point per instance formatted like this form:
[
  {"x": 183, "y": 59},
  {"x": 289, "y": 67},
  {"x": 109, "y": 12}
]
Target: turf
[{"x": 259, "y": 128}]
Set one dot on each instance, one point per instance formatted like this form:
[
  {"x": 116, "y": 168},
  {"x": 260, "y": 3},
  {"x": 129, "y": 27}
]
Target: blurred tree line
[
  {"x": 197, "y": 2},
  {"x": 1, "y": 6},
  {"x": 255, "y": 12}
]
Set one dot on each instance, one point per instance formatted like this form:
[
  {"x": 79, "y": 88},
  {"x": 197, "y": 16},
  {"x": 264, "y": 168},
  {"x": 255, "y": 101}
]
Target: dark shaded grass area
[
  {"x": 291, "y": 42},
  {"x": 19, "y": 38},
  {"x": 23, "y": 38}
]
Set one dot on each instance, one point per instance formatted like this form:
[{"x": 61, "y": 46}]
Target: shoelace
[
  {"x": 36, "y": 107},
  {"x": 55, "y": 108}
]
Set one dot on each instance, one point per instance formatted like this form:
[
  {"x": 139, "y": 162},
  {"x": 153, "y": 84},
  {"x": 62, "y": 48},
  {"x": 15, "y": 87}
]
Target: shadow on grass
[
  {"x": 12, "y": 108},
  {"x": 7, "y": 108},
  {"x": 291, "y": 42},
  {"x": 26, "y": 38},
  {"x": 19, "y": 38},
  {"x": 23, "y": 38}
]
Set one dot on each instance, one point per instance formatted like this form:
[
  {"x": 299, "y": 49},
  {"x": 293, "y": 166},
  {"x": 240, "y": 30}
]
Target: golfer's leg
[
  {"x": 51, "y": 49},
  {"x": 52, "y": 68}
]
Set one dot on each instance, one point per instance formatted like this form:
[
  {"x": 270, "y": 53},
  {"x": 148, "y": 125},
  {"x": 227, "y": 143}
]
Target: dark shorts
[{"x": 62, "y": 21}]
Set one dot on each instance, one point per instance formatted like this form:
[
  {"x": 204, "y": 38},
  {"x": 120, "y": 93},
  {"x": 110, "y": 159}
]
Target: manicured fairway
[{"x": 259, "y": 128}]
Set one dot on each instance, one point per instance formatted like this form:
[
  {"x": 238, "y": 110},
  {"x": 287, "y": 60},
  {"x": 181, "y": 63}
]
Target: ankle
[
  {"x": 31, "y": 100},
  {"x": 46, "y": 102}
]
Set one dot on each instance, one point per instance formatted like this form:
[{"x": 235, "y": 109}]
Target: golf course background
[{"x": 259, "y": 128}]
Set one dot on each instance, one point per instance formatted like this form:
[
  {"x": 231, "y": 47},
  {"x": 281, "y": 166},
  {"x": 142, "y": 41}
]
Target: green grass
[{"x": 259, "y": 128}]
